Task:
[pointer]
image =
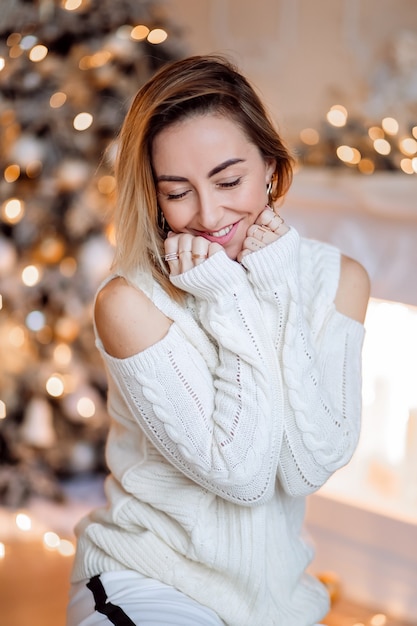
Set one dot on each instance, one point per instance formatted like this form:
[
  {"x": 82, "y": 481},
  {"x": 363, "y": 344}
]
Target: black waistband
[{"x": 115, "y": 614}]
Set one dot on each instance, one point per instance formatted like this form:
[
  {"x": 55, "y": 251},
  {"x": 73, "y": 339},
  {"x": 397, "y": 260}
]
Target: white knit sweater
[{"x": 248, "y": 404}]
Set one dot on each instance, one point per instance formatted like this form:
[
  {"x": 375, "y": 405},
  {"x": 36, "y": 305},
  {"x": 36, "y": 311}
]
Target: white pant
[{"x": 126, "y": 598}]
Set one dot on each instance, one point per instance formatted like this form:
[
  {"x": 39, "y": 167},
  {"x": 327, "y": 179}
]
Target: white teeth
[{"x": 222, "y": 232}]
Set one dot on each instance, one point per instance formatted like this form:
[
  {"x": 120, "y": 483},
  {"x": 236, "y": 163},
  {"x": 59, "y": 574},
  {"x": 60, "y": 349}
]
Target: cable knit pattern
[
  {"x": 252, "y": 397},
  {"x": 320, "y": 351}
]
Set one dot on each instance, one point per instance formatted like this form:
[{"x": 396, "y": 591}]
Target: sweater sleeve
[
  {"x": 214, "y": 426},
  {"x": 320, "y": 354}
]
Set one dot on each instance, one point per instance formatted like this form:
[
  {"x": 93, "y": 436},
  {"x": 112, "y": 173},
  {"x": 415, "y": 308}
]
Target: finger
[{"x": 264, "y": 234}]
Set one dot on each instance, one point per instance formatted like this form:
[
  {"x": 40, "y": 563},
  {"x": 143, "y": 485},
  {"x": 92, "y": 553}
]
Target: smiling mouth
[{"x": 222, "y": 232}]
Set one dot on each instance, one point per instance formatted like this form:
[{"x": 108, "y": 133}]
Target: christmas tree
[{"x": 68, "y": 71}]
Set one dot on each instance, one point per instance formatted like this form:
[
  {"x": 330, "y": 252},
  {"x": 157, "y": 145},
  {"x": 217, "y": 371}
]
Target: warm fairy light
[
  {"x": 98, "y": 59},
  {"x": 71, "y": 5},
  {"x": 157, "y": 35},
  {"x": 62, "y": 354},
  {"x": 11, "y": 173},
  {"x": 17, "y": 336},
  {"x": 15, "y": 52},
  {"x": 375, "y": 132},
  {"x": 82, "y": 121},
  {"x": 68, "y": 267},
  {"x": 414, "y": 131},
  {"x": 2, "y": 550},
  {"x": 106, "y": 184},
  {"x": 13, "y": 39},
  {"x": 23, "y": 522},
  {"x": 38, "y": 53},
  {"x": 407, "y": 166},
  {"x": 366, "y": 166},
  {"x": 3, "y": 411},
  {"x": 13, "y": 210},
  {"x": 35, "y": 321},
  {"x": 57, "y": 99},
  {"x": 390, "y": 125},
  {"x": 139, "y": 32},
  {"x": 414, "y": 164},
  {"x": 55, "y": 386},
  {"x": 2, "y": 63},
  {"x": 337, "y": 115},
  {"x": 86, "y": 407},
  {"x": 382, "y": 146},
  {"x": 378, "y": 620},
  {"x": 67, "y": 329},
  {"x": 66, "y": 548},
  {"x": 51, "y": 540},
  {"x": 27, "y": 42},
  {"x": 348, "y": 154},
  {"x": 309, "y": 136},
  {"x": 408, "y": 146},
  {"x": 30, "y": 275},
  {"x": 33, "y": 169}
]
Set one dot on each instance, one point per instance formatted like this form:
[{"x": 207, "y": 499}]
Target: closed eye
[{"x": 232, "y": 183}]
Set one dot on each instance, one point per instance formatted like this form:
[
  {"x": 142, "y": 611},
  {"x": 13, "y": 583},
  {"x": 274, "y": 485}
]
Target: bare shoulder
[
  {"x": 126, "y": 320},
  {"x": 354, "y": 287}
]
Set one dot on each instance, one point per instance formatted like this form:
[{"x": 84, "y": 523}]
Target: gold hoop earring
[
  {"x": 269, "y": 192},
  {"x": 162, "y": 223}
]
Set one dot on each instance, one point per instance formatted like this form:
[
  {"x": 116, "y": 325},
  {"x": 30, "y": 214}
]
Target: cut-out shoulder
[
  {"x": 353, "y": 291},
  {"x": 126, "y": 320}
]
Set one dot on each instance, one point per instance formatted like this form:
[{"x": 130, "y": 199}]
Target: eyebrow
[{"x": 212, "y": 172}]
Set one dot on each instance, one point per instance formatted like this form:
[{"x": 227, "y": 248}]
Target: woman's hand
[
  {"x": 268, "y": 228},
  {"x": 184, "y": 251}
]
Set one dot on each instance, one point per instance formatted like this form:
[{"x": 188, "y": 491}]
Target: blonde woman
[{"x": 233, "y": 353}]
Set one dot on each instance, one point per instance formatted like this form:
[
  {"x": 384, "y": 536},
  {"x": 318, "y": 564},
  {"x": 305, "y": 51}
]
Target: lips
[{"x": 222, "y": 236}]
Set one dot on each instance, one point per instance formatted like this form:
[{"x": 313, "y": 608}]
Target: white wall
[{"x": 303, "y": 55}]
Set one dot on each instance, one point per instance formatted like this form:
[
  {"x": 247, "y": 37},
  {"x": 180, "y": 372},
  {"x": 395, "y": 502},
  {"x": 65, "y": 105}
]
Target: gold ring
[
  {"x": 199, "y": 256},
  {"x": 171, "y": 256}
]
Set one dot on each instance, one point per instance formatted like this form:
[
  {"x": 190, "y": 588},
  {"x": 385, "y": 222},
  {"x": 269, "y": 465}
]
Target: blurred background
[{"x": 340, "y": 80}]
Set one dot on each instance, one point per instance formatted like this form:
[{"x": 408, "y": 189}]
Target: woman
[{"x": 233, "y": 353}]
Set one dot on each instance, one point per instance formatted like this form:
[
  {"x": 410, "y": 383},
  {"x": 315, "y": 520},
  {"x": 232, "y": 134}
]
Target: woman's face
[{"x": 211, "y": 180}]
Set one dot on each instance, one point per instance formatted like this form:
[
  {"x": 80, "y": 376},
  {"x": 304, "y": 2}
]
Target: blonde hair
[{"x": 192, "y": 86}]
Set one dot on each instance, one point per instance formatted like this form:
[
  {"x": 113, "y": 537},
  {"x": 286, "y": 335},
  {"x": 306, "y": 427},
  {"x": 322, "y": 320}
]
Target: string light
[
  {"x": 62, "y": 354},
  {"x": 382, "y": 146},
  {"x": 2, "y": 63},
  {"x": 309, "y": 136},
  {"x": 86, "y": 407},
  {"x": 3, "y": 412},
  {"x": 71, "y": 5},
  {"x": 348, "y": 154},
  {"x": 139, "y": 32},
  {"x": 407, "y": 166},
  {"x": 157, "y": 35},
  {"x": 31, "y": 275},
  {"x": 35, "y": 320},
  {"x": 390, "y": 125},
  {"x": 11, "y": 173},
  {"x": 55, "y": 386},
  {"x": 57, "y": 100},
  {"x": 38, "y": 53},
  {"x": 337, "y": 115},
  {"x": 82, "y": 121},
  {"x": 13, "y": 210},
  {"x": 408, "y": 146},
  {"x": 23, "y": 522}
]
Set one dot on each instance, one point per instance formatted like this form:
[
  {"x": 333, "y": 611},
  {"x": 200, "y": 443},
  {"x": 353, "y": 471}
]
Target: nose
[{"x": 210, "y": 212}]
